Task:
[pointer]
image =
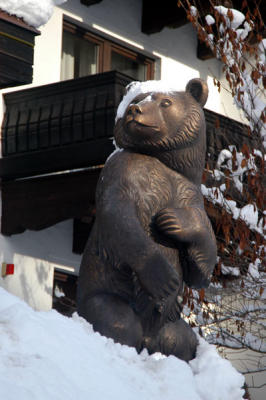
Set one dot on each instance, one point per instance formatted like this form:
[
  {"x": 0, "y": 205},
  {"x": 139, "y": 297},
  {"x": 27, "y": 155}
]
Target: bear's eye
[{"x": 166, "y": 103}]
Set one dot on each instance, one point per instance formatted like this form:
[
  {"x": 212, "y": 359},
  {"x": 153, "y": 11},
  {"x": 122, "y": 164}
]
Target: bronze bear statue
[{"x": 151, "y": 232}]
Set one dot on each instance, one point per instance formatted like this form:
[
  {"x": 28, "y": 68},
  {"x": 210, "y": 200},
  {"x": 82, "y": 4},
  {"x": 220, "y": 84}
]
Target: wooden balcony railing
[
  {"x": 63, "y": 127},
  {"x": 60, "y": 126},
  {"x": 69, "y": 125}
]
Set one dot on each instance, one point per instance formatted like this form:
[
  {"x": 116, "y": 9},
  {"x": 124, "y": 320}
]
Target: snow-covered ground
[{"x": 45, "y": 355}]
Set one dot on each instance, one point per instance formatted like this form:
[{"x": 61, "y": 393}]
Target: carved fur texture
[{"x": 151, "y": 231}]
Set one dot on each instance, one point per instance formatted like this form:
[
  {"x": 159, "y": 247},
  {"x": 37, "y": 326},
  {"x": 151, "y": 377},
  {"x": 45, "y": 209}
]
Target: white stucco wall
[{"x": 35, "y": 255}]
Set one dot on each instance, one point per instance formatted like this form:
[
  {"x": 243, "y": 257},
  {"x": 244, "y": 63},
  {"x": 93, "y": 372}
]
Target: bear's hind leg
[
  {"x": 174, "y": 338},
  {"x": 114, "y": 318}
]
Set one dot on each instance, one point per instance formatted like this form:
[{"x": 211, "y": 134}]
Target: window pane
[
  {"x": 67, "y": 59},
  {"x": 88, "y": 57},
  {"x": 79, "y": 57},
  {"x": 127, "y": 66}
]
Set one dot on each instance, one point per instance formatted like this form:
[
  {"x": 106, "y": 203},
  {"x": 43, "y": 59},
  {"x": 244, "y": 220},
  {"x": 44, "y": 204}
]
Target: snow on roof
[
  {"x": 45, "y": 355},
  {"x": 33, "y": 12},
  {"x": 136, "y": 88}
]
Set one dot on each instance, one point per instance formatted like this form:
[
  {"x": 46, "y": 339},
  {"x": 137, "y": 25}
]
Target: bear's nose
[{"x": 134, "y": 109}]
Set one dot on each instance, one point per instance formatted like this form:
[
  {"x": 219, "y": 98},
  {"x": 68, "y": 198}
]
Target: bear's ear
[{"x": 198, "y": 89}]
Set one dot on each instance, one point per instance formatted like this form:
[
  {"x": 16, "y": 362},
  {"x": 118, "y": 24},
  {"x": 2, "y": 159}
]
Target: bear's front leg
[
  {"x": 173, "y": 338},
  {"x": 158, "y": 278},
  {"x": 127, "y": 243},
  {"x": 191, "y": 229}
]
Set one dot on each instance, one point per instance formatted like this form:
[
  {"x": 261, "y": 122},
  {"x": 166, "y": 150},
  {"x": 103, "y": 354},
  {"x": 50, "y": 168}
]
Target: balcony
[
  {"x": 60, "y": 126},
  {"x": 63, "y": 127}
]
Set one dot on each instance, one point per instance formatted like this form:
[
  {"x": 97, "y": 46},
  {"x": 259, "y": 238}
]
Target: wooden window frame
[{"x": 106, "y": 46}]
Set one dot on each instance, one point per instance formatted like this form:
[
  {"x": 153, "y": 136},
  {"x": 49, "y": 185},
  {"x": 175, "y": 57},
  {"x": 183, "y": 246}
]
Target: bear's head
[{"x": 168, "y": 125}]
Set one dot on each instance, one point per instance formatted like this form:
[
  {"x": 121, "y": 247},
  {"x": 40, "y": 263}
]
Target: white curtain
[
  {"x": 68, "y": 59},
  {"x": 88, "y": 54}
]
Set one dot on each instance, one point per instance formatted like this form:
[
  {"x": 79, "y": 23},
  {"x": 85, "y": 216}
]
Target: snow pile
[
  {"x": 210, "y": 20},
  {"x": 33, "y": 12},
  {"x": 136, "y": 88},
  {"x": 237, "y": 17},
  {"x": 44, "y": 355},
  {"x": 193, "y": 11}
]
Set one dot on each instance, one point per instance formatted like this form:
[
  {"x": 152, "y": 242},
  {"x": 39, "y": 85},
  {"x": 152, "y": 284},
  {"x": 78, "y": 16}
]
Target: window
[{"x": 84, "y": 53}]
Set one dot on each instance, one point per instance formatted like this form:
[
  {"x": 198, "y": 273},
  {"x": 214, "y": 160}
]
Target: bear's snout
[{"x": 134, "y": 109}]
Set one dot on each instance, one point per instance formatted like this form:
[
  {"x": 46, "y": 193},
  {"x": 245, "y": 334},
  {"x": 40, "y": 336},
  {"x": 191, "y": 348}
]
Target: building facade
[
  {"x": 78, "y": 41},
  {"x": 57, "y": 130}
]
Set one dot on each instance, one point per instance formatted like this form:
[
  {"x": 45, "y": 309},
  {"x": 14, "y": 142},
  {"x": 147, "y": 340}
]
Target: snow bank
[
  {"x": 44, "y": 355},
  {"x": 33, "y": 12}
]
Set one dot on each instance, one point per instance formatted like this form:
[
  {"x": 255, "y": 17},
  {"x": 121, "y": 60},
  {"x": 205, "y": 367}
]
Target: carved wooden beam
[
  {"x": 90, "y": 2},
  {"x": 157, "y": 15},
  {"x": 203, "y": 51},
  {"x": 41, "y": 202}
]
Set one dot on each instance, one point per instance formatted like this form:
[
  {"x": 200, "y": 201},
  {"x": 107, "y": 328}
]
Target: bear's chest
[
  {"x": 144, "y": 183},
  {"x": 151, "y": 186}
]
